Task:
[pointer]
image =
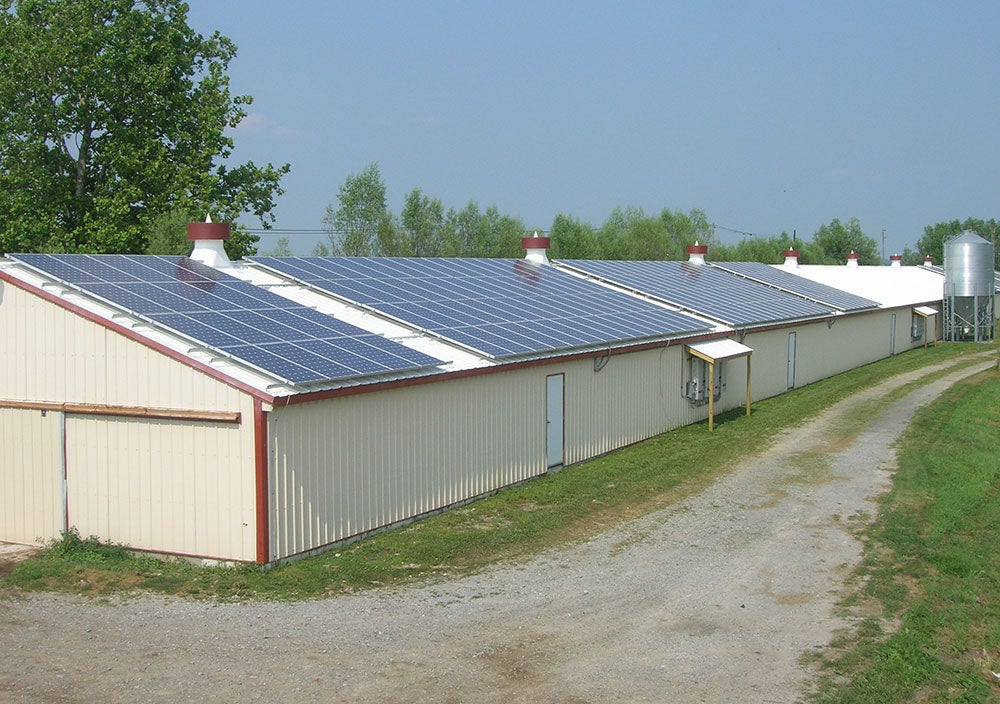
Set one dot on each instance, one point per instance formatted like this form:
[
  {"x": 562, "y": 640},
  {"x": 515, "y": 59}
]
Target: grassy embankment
[
  {"x": 931, "y": 573},
  {"x": 517, "y": 522}
]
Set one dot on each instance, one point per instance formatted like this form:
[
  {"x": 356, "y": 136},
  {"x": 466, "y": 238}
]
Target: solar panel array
[
  {"x": 261, "y": 329},
  {"x": 498, "y": 307},
  {"x": 718, "y": 294},
  {"x": 787, "y": 280}
]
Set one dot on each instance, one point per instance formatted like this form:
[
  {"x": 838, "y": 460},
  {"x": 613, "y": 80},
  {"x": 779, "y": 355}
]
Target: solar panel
[
  {"x": 213, "y": 309},
  {"x": 788, "y": 281},
  {"x": 501, "y": 308},
  {"x": 705, "y": 289}
]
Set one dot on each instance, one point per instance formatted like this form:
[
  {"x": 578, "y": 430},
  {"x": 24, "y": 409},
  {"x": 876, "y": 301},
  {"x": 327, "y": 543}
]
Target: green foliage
[
  {"x": 88, "y": 551},
  {"x": 836, "y": 240},
  {"x": 168, "y": 233},
  {"x": 629, "y": 233},
  {"x": 115, "y": 117},
  {"x": 422, "y": 226},
  {"x": 362, "y": 225},
  {"x": 756, "y": 249},
  {"x": 472, "y": 233},
  {"x": 573, "y": 239},
  {"x": 282, "y": 248},
  {"x": 934, "y": 237},
  {"x": 931, "y": 562},
  {"x": 354, "y": 226}
]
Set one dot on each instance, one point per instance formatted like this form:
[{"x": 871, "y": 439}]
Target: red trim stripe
[{"x": 261, "y": 484}]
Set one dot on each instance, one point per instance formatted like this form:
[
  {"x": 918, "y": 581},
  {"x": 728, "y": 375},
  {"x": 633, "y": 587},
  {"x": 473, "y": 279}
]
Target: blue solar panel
[
  {"x": 787, "y": 280},
  {"x": 498, "y": 307},
  {"x": 259, "y": 328},
  {"x": 704, "y": 289}
]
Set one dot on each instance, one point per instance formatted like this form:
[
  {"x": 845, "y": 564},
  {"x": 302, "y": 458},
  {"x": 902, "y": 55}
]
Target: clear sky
[{"x": 769, "y": 116}]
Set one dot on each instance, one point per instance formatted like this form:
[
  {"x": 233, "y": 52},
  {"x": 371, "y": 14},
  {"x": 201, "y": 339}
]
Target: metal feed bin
[{"x": 968, "y": 288}]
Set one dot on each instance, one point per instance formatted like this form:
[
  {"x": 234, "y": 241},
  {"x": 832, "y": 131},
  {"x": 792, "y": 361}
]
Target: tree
[
  {"x": 688, "y": 228},
  {"x": 422, "y": 226},
  {"x": 836, "y": 240},
  {"x": 353, "y": 227},
  {"x": 113, "y": 116},
  {"x": 168, "y": 234},
  {"x": 755, "y": 249},
  {"x": 934, "y": 237},
  {"x": 573, "y": 239},
  {"x": 282, "y": 248},
  {"x": 472, "y": 233}
]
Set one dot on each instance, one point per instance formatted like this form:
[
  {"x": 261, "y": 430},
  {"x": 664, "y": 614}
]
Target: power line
[{"x": 745, "y": 233}]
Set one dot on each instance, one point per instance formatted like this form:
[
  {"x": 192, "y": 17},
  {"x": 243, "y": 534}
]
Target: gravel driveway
[{"x": 714, "y": 599}]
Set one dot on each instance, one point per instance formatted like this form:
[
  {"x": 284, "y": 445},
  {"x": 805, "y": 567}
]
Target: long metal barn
[{"x": 270, "y": 408}]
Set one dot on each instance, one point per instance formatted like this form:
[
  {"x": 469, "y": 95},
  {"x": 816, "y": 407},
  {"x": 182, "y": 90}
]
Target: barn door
[
  {"x": 554, "y": 441},
  {"x": 791, "y": 360}
]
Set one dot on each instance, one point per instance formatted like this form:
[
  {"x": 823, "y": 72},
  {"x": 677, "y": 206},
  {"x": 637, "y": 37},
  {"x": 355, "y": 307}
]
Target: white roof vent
[
  {"x": 852, "y": 259},
  {"x": 696, "y": 252},
  {"x": 896, "y": 260},
  {"x": 535, "y": 249},
  {"x": 208, "y": 238},
  {"x": 928, "y": 260},
  {"x": 791, "y": 257}
]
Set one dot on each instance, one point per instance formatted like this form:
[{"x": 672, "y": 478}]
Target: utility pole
[{"x": 883, "y": 245}]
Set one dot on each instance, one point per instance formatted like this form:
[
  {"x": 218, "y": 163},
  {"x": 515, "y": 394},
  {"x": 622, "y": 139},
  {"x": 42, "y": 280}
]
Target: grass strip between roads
[
  {"x": 928, "y": 609},
  {"x": 513, "y": 524}
]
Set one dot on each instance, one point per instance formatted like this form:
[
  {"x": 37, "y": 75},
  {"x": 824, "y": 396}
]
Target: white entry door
[{"x": 554, "y": 420}]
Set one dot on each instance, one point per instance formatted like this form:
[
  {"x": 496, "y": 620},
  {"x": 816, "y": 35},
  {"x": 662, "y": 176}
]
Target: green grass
[
  {"x": 513, "y": 524},
  {"x": 931, "y": 572}
]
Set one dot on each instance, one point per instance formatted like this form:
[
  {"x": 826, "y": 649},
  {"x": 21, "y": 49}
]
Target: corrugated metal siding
[
  {"x": 51, "y": 354},
  {"x": 633, "y": 397},
  {"x": 179, "y": 486},
  {"x": 346, "y": 466},
  {"x": 176, "y": 486},
  {"x": 31, "y": 504}
]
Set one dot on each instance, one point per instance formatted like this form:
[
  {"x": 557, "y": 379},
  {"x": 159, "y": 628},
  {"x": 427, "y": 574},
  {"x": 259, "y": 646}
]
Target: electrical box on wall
[{"x": 696, "y": 381}]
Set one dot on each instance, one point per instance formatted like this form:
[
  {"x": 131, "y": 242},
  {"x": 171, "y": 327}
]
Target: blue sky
[{"x": 768, "y": 116}]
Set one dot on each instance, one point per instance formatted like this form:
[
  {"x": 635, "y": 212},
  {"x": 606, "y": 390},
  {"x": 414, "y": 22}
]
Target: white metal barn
[{"x": 260, "y": 410}]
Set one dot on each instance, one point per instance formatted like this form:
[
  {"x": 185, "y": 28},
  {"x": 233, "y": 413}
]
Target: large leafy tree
[
  {"x": 573, "y": 238},
  {"x": 361, "y": 220},
  {"x": 114, "y": 116},
  {"x": 422, "y": 226},
  {"x": 836, "y": 240}
]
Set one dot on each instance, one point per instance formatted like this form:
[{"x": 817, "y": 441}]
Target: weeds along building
[{"x": 260, "y": 410}]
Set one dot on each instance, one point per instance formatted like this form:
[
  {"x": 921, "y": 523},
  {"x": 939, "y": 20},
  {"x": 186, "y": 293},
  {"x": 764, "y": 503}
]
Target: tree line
[{"x": 361, "y": 224}]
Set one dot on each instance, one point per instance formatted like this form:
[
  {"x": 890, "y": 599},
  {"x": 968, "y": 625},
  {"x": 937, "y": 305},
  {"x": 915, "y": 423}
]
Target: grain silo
[{"x": 968, "y": 288}]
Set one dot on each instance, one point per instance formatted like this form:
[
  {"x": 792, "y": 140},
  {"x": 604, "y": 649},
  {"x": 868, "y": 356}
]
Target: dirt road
[{"x": 714, "y": 599}]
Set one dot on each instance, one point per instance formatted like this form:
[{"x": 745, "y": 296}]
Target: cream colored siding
[
  {"x": 58, "y": 356},
  {"x": 346, "y": 466},
  {"x": 31, "y": 504},
  {"x": 176, "y": 486},
  {"x": 173, "y": 486},
  {"x": 633, "y": 397}
]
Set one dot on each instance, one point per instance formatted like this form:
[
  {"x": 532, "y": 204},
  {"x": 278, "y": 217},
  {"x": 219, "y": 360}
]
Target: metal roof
[
  {"x": 784, "y": 277},
  {"x": 706, "y": 290},
  {"x": 889, "y": 286}
]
